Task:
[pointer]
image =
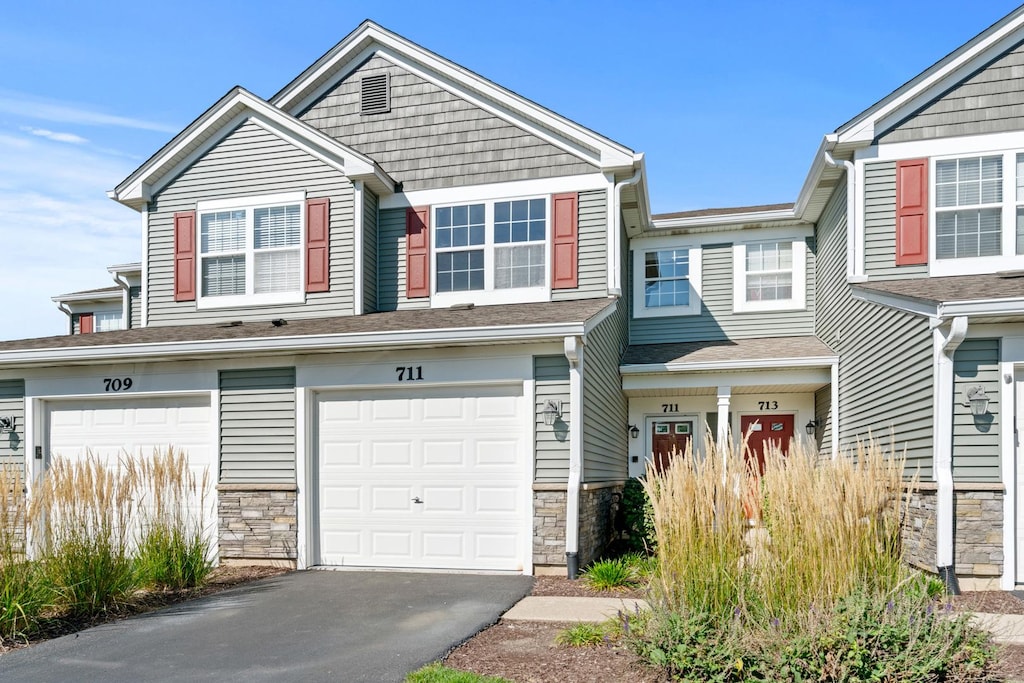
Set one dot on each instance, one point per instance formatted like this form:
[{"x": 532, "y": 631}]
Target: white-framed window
[
  {"x": 770, "y": 275},
  {"x": 250, "y": 250},
  {"x": 108, "y": 321},
  {"x": 666, "y": 279},
  {"x": 491, "y": 251}
]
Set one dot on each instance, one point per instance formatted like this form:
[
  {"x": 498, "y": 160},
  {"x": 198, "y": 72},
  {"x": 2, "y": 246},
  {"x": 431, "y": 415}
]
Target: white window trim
[
  {"x": 489, "y": 295},
  {"x": 798, "y": 302},
  {"x": 640, "y": 250},
  {"x": 1008, "y": 260},
  {"x": 250, "y": 298}
]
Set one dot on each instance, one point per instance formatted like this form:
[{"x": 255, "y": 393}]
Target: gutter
[
  {"x": 573, "y": 347},
  {"x": 944, "y": 347},
  {"x": 853, "y": 273},
  {"x": 126, "y": 311},
  {"x": 614, "y": 243},
  {"x": 67, "y": 311}
]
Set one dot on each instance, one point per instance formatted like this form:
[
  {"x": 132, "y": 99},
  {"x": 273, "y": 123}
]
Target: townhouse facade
[{"x": 411, "y": 319}]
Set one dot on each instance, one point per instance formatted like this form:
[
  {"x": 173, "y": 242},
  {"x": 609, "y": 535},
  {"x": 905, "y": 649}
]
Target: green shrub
[
  {"x": 638, "y": 517},
  {"x": 583, "y": 634},
  {"x": 438, "y": 673},
  {"x": 609, "y": 574},
  {"x": 23, "y": 592}
]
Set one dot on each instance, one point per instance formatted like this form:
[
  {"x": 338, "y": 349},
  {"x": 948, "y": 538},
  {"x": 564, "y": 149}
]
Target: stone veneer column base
[
  {"x": 977, "y": 529},
  {"x": 257, "y": 524},
  {"x": 596, "y": 528}
]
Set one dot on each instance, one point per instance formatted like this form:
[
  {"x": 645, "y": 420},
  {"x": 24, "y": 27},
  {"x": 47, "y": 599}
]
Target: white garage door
[
  {"x": 110, "y": 427},
  {"x": 431, "y": 479}
]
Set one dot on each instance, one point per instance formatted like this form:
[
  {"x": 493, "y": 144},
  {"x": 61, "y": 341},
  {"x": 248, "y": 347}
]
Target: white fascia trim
[
  {"x": 883, "y": 117},
  {"x": 600, "y": 317},
  {"x": 489, "y": 191},
  {"x": 922, "y": 308},
  {"x": 326, "y": 342},
  {"x": 725, "y": 219},
  {"x": 729, "y": 365},
  {"x": 814, "y": 174},
  {"x": 452, "y": 77},
  {"x": 125, "y": 268},
  {"x": 94, "y": 296},
  {"x": 949, "y": 309}
]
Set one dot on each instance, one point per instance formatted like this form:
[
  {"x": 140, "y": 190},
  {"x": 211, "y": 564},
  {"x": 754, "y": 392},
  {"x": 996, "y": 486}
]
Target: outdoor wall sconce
[
  {"x": 552, "y": 411},
  {"x": 7, "y": 423},
  {"x": 634, "y": 431},
  {"x": 810, "y": 427},
  {"x": 975, "y": 398}
]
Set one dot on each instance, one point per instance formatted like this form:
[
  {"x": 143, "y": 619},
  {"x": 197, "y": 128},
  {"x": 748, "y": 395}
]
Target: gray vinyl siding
[
  {"x": 880, "y": 225},
  {"x": 976, "y": 444},
  {"x": 432, "y": 138},
  {"x": 12, "y": 403},
  {"x": 604, "y": 405},
  {"x": 989, "y": 101},
  {"x": 592, "y": 225},
  {"x": 885, "y": 367},
  {"x": 717, "y": 321},
  {"x": 257, "y": 426},
  {"x": 134, "y": 308},
  {"x": 391, "y": 264},
  {"x": 823, "y": 416},
  {"x": 369, "y": 251},
  {"x": 551, "y": 442},
  {"x": 250, "y": 161}
]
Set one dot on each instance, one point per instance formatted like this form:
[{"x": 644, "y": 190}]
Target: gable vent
[{"x": 375, "y": 94}]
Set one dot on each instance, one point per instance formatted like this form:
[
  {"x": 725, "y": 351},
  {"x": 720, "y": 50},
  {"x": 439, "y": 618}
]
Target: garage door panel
[{"x": 460, "y": 450}]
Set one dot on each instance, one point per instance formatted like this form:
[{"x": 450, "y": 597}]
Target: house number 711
[{"x": 409, "y": 373}]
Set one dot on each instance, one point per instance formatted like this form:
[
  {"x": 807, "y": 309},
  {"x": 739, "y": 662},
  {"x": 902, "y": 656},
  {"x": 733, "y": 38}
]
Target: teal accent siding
[
  {"x": 976, "y": 440},
  {"x": 134, "y": 308},
  {"x": 604, "y": 404},
  {"x": 257, "y": 426},
  {"x": 369, "y": 251},
  {"x": 391, "y": 263},
  {"x": 551, "y": 442}
]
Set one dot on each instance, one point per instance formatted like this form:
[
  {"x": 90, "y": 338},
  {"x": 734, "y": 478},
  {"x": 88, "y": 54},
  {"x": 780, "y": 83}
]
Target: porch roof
[{"x": 774, "y": 352}]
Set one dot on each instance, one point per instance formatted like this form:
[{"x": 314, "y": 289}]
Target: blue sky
[{"x": 728, "y": 100}]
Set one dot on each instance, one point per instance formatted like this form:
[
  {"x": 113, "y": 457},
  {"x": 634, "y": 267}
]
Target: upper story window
[
  {"x": 769, "y": 275},
  {"x": 250, "y": 251},
  {"x": 108, "y": 321},
  {"x": 667, "y": 279},
  {"x": 968, "y": 207},
  {"x": 497, "y": 250}
]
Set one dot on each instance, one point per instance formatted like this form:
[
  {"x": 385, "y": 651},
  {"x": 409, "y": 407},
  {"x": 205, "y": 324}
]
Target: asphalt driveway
[{"x": 303, "y": 626}]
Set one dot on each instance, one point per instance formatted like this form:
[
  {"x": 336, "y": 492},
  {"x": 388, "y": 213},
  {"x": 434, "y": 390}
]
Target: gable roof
[
  {"x": 369, "y": 38},
  {"x": 237, "y": 106}
]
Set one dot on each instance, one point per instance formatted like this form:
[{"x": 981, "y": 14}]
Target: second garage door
[{"x": 427, "y": 479}]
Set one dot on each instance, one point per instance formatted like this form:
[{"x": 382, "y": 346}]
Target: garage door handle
[{"x": 417, "y": 500}]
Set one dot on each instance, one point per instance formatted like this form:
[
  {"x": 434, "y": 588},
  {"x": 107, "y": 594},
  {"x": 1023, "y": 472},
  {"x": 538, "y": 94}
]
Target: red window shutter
[
  {"x": 911, "y": 212},
  {"x": 564, "y": 241},
  {"x": 417, "y": 252},
  {"x": 318, "y": 235},
  {"x": 185, "y": 256},
  {"x": 86, "y": 323}
]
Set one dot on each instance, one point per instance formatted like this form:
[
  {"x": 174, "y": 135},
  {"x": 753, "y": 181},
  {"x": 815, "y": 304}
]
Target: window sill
[
  {"x": 667, "y": 312},
  {"x": 770, "y": 307},
  {"x": 524, "y": 295},
  {"x": 979, "y": 265},
  {"x": 248, "y": 301}
]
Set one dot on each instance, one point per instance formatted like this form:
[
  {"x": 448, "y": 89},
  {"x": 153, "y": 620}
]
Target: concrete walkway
[{"x": 545, "y": 608}]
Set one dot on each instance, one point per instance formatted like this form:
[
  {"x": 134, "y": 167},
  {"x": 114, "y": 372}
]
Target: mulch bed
[{"x": 562, "y": 586}]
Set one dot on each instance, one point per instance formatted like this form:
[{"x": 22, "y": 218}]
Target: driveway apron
[{"x": 303, "y": 626}]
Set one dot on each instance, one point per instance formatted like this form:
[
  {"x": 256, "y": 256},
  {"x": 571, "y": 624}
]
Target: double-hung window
[
  {"x": 667, "y": 279},
  {"x": 769, "y": 275},
  {"x": 108, "y": 321},
  {"x": 250, "y": 251},
  {"x": 491, "y": 252}
]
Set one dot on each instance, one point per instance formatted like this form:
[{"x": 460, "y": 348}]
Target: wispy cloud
[
  {"x": 55, "y": 136},
  {"x": 30, "y": 106}
]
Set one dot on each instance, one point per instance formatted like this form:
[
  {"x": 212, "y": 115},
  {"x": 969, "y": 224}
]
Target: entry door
[
  {"x": 765, "y": 429},
  {"x": 669, "y": 438}
]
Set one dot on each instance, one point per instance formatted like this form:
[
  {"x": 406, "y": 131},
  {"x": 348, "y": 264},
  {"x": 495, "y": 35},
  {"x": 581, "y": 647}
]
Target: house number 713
[{"x": 409, "y": 373}]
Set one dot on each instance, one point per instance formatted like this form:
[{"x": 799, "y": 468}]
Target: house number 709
[
  {"x": 117, "y": 384},
  {"x": 409, "y": 373}
]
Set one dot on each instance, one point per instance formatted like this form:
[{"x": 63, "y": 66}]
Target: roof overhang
[
  {"x": 112, "y": 295},
  {"x": 237, "y": 106},
  {"x": 125, "y": 268},
  {"x": 369, "y": 38},
  {"x": 940, "y": 310},
  {"x": 731, "y": 365},
  {"x": 733, "y": 220}
]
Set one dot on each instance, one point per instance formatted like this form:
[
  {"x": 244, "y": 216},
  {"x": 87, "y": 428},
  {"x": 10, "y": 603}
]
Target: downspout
[
  {"x": 944, "y": 348},
  {"x": 614, "y": 244},
  {"x": 574, "y": 354},
  {"x": 126, "y": 300},
  {"x": 852, "y": 272},
  {"x": 67, "y": 311}
]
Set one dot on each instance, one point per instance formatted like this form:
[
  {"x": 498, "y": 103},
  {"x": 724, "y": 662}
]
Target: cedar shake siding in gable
[
  {"x": 989, "y": 101},
  {"x": 250, "y": 161},
  {"x": 551, "y": 443},
  {"x": 12, "y": 404},
  {"x": 885, "y": 368},
  {"x": 432, "y": 138},
  {"x": 717, "y": 321},
  {"x": 880, "y": 225}
]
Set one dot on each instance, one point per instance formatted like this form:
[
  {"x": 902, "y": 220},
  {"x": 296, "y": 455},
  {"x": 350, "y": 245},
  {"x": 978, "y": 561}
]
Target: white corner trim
[
  {"x": 694, "y": 279},
  {"x": 835, "y": 409},
  {"x": 613, "y": 253},
  {"x": 358, "y": 272},
  {"x": 144, "y": 302},
  {"x": 529, "y": 399},
  {"x": 1008, "y": 469},
  {"x": 303, "y": 477}
]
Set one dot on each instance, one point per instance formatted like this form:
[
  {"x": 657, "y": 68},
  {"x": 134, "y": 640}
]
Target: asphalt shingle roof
[
  {"x": 937, "y": 290},
  {"x": 729, "y": 350},
  {"x": 728, "y": 211}
]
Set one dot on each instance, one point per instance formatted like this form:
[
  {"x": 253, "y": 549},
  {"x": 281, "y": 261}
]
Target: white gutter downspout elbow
[
  {"x": 126, "y": 300},
  {"x": 944, "y": 349},
  {"x": 574, "y": 354},
  {"x": 614, "y": 244},
  {"x": 854, "y": 272},
  {"x": 67, "y": 311}
]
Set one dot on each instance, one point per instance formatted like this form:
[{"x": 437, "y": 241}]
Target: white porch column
[{"x": 724, "y": 394}]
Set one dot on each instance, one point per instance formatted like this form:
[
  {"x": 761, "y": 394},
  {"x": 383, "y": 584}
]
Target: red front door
[
  {"x": 669, "y": 438},
  {"x": 760, "y": 430}
]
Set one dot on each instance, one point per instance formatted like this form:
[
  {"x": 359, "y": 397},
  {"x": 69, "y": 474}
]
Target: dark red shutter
[
  {"x": 911, "y": 212},
  {"x": 86, "y": 323},
  {"x": 417, "y": 252},
  {"x": 185, "y": 256},
  {"x": 318, "y": 235},
  {"x": 564, "y": 241}
]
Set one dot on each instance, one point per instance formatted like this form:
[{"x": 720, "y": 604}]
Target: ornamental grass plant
[{"x": 23, "y": 592}]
